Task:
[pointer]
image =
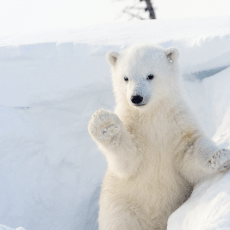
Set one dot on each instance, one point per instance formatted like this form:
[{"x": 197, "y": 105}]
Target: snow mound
[
  {"x": 3, "y": 227},
  {"x": 208, "y": 208},
  {"x": 51, "y": 83}
]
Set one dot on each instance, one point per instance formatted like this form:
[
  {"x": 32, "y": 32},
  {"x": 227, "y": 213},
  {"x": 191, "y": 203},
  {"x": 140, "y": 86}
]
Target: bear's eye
[
  {"x": 126, "y": 79},
  {"x": 150, "y": 77}
]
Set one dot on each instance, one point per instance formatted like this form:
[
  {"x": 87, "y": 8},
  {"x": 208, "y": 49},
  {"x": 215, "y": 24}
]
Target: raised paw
[
  {"x": 220, "y": 161},
  {"x": 104, "y": 126}
]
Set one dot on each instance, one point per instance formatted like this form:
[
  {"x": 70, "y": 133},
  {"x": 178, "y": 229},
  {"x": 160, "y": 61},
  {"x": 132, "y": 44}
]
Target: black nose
[{"x": 136, "y": 99}]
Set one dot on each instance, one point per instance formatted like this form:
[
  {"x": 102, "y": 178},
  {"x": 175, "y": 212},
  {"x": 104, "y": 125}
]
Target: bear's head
[{"x": 144, "y": 74}]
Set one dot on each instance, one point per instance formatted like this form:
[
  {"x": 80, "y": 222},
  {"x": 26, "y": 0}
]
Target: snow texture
[
  {"x": 52, "y": 82},
  {"x": 3, "y": 227}
]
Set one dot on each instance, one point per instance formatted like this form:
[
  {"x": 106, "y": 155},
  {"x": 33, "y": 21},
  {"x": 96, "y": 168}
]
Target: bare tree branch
[
  {"x": 133, "y": 15},
  {"x": 135, "y": 10},
  {"x": 150, "y": 9}
]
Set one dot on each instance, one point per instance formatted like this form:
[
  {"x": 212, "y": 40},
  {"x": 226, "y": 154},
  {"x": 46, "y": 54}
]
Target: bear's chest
[{"x": 156, "y": 137}]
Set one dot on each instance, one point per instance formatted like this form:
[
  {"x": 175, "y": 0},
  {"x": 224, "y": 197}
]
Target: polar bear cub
[{"x": 154, "y": 147}]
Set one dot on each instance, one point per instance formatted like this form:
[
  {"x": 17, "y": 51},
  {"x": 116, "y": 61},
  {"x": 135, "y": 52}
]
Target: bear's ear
[
  {"x": 112, "y": 57},
  {"x": 172, "y": 54}
]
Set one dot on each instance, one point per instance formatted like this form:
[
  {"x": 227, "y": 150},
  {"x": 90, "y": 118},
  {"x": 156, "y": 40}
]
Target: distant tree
[
  {"x": 150, "y": 9},
  {"x": 136, "y": 9}
]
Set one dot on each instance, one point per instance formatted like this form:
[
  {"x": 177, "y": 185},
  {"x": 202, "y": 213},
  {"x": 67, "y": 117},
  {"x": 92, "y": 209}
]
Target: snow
[
  {"x": 208, "y": 208},
  {"x": 3, "y": 227},
  {"x": 51, "y": 83}
]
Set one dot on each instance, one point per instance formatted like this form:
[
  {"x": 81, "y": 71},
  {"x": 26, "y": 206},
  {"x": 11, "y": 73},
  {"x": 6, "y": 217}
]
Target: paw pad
[{"x": 104, "y": 125}]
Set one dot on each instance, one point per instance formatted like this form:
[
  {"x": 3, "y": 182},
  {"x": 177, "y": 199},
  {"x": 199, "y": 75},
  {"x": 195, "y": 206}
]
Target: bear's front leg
[
  {"x": 202, "y": 159},
  {"x": 115, "y": 141}
]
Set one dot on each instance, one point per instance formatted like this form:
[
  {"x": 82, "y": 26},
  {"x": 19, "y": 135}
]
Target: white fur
[{"x": 155, "y": 152}]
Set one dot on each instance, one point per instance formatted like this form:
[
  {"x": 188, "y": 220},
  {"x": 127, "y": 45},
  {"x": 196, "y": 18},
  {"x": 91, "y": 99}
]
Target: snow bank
[
  {"x": 34, "y": 64},
  {"x": 208, "y": 208},
  {"x": 51, "y": 83},
  {"x": 50, "y": 169},
  {"x": 3, "y": 227}
]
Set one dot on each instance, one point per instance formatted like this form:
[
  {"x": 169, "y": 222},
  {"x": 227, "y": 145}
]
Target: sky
[{"x": 17, "y": 16}]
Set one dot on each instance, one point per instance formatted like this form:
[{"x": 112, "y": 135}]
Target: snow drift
[{"x": 52, "y": 82}]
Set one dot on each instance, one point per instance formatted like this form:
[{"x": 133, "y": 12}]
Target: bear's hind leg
[{"x": 118, "y": 219}]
